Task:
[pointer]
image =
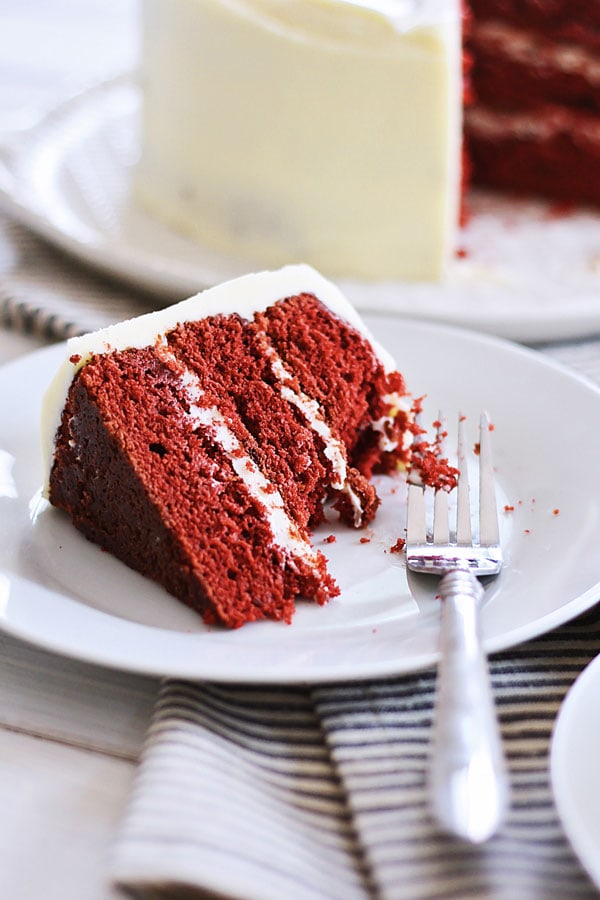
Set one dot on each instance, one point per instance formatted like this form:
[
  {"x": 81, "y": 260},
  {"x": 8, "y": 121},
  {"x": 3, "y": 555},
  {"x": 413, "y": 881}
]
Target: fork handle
[{"x": 468, "y": 778}]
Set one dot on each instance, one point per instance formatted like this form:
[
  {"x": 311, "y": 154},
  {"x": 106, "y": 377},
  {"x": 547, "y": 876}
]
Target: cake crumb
[
  {"x": 508, "y": 508},
  {"x": 556, "y": 512},
  {"x": 330, "y": 539},
  {"x": 427, "y": 464},
  {"x": 365, "y": 540},
  {"x": 398, "y": 547}
]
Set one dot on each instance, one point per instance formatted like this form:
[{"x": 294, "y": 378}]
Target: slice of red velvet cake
[{"x": 198, "y": 444}]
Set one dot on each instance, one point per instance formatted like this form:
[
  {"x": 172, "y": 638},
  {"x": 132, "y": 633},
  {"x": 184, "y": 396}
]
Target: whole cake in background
[
  {"x": 320, "y": 131},
  {"x": 331, "y": 131},
  {"x": 198, "y": 444}
]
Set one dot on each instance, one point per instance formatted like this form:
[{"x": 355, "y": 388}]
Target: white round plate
[
  {"x": 61, "y": 592},
  {"x": 528, "y": 272},
  {"x": 574, "y": 768}
]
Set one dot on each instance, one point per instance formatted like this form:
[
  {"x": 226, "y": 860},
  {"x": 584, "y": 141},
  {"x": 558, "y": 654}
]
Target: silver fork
[{"x": 468, "y": 784}]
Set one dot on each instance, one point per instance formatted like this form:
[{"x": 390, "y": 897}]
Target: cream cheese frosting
[
  {"x": 326, "y": 131},
  {"x": 351, "y": 19}
]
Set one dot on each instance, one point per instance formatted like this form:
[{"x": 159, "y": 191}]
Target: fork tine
[
  {"x": 463, "y": 498},
  {"x": 416, "y": 528},
  {"x": 488, "y": 513},
  {"x": 416, "y": 531},
  {"x": 441, "y": 529}
]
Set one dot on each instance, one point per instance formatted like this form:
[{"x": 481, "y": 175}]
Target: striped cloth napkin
[
  {"x": 308, "y": 793},
  {"x": 314, "y": 793}
]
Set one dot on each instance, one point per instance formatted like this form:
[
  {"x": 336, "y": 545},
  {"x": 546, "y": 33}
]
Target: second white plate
[
  {"x": 61, "y": 592},
  {"x": 574, "y": 768},
  {"x": 527, "y": 272}
]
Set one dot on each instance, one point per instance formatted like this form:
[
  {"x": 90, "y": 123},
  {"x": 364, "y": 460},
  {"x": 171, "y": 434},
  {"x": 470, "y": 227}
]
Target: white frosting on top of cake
[
  {"x": 333, "y": 18},
  {"x": 407, "y": 14},
  {"x": 245, "y": 296}
]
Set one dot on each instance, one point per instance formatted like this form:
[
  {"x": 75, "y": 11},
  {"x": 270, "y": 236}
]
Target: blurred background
[{"x": 50, "y": 47}]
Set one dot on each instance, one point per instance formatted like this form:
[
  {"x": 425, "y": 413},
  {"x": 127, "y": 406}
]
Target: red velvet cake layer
[
  {"x": 201, "y": 461},
  {"x": 555, "y": 154},
  {"x": 517, "y": 69}
]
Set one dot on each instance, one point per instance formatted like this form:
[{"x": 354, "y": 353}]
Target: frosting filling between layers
[
  {"x": 285, "y": 532},
  {"x": 334, "y": 450},
  {"x": 542, "y": 125},
  {"x": 531, "y": 49}
]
